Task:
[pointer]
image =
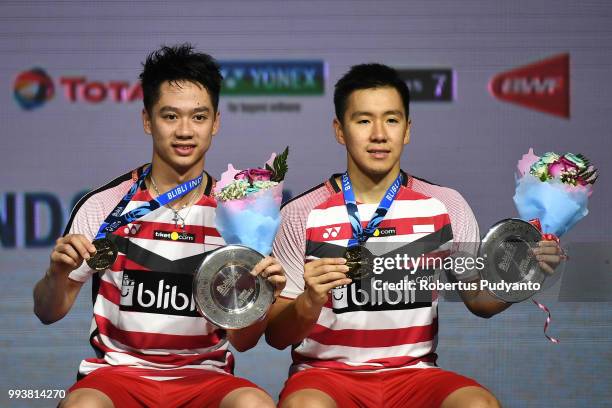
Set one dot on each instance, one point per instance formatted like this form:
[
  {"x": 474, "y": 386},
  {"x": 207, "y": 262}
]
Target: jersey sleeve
[
  {"x": 289, "y": 248},
  {"x": 466, "y": 234},
  {"x": 85, "y": 220}
]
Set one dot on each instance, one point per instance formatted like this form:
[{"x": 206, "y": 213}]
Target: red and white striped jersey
[
  {"x": 144, "y": 314},
  {"x": 361, "y": 327}
]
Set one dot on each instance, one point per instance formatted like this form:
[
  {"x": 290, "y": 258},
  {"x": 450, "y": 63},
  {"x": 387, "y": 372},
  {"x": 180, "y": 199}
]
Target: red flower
[{"x": 254, "y": 175}]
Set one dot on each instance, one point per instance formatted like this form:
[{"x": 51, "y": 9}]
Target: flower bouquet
[
  {"x": 248, "y": 204},
  {"x": 554, "y": 189}
]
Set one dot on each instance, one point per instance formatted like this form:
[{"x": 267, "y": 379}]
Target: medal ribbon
[
  {"x": 115, "y": 220},
  {"x": 360, "y": 234},
  {"x": 547, "y": 237}
]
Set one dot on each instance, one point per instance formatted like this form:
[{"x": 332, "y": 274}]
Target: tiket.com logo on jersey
[
  {"x": 157, "y": 292},
  {"x": 542, "y": 86},
  {"x": 384, "y": 232},
  {"x": 34, "y": 87},
  {"x": 174, "y": 236}
]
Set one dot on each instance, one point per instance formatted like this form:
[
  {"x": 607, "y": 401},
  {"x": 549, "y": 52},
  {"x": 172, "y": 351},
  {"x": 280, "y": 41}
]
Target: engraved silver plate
[
  {"x": 506, "y": 253},
  {"x": 225, "y": 292}
]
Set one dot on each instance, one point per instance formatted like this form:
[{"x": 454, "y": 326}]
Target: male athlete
[
  {"x": 152, "y": 347},
  {"x": 353, "y": 346}
]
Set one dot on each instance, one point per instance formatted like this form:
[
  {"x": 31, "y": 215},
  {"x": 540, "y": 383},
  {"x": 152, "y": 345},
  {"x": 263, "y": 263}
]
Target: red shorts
[
  {"x": 410, "y": 387},
  {"x": 126, "y": 388}
]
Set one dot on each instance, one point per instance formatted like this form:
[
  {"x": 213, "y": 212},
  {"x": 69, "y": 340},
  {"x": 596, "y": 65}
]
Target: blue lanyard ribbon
[
  {"x": 360, "y": 234},
  {"x": 116, "y": 220}
]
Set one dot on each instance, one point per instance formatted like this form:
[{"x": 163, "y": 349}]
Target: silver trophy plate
[
  {"x": 225, "y": 292},
  {"x": 507, "y": 257}
]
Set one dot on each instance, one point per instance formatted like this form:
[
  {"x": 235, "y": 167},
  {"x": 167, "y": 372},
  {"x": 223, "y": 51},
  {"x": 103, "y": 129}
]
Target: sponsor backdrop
[{"x": 489, "y": 80}]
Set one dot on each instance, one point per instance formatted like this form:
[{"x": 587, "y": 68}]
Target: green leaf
[{"x": 279, "y": 166}]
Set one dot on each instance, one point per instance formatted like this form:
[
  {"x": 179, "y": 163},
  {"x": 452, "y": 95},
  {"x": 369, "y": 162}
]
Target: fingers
[
  {"x": 278, "y": 281},
  {"x": 263, "y": 264},
  {"x": 269, "y": 268},
  {"x": 549, "y": 255},
  {"x": 71, "y": 250},
  {"x": 325, "y": 265},
  {"x": 327, "y": 278},
  {"x": 547, "y": 269},
  {"x": 63, "y": 258},
  {"x": 335, "y": 284}
]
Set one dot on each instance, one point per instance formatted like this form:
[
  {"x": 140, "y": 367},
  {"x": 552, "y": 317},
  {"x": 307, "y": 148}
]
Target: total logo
[
  {"x": 34, "y": 88},
  {"x": 331, "y": 232},
  {"x": 542, "y": 86}
]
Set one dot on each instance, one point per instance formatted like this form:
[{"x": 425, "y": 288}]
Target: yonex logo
[
  {"x": 331, "y": 232},
  {"x": 131, "y": 229}
]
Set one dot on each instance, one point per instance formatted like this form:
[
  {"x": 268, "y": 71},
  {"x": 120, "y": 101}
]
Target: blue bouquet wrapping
[{"x": 554, "y": 189}]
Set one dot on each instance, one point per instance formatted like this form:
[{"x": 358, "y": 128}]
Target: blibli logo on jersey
[
  {"x": 157, "y": 292},
  {"x": 331, "y": 232},
  {"x": 362, "y": 295}
]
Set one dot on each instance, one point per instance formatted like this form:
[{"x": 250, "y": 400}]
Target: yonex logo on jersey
[
  {"x": 157, "y": 292},
  {"x": 131, "y": 229},
  {"x": 384, "y": 232},
  {"x": 331, "y": 232},
  {"x": 174, "y": 236}
]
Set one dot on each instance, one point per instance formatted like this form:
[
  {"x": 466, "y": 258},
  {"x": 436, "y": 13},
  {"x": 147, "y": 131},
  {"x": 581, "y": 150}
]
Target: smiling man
[
  {"x": 351, "y": 345},
  {"x": 150, "y": 228}
]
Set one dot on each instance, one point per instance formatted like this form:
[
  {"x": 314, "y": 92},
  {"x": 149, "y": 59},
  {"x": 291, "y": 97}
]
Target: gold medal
[
  {"x": 357, "y": 260},
  {"x": 106, "y": 253}
]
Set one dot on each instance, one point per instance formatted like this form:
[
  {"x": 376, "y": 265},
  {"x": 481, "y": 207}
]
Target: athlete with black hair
[{"x": 152, "y": 347}]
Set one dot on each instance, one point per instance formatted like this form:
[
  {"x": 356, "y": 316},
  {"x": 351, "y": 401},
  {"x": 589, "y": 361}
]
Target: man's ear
[
  {"x": 216, "y": 123},
  {"x": 407, "y": 135},
  {"x": 146, "y": 121},
  {"x": 339, "y": 132}
]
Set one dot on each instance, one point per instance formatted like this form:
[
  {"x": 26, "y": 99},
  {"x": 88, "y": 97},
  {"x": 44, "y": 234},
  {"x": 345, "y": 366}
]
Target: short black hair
[
  {"x": 367, "y": 76},
  {"x": 179, "y": 63}
]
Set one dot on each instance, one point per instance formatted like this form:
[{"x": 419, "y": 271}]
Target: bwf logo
[
  {"x": 543, "y": 86},
  {"x": 331, "y": 232}
]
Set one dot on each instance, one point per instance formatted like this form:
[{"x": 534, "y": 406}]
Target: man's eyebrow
[
  {"x": 175, "y": 109},
  {"x": 366, "y": 113},
  {"x": 394, "y": 112},
  {"x": 360, "y": 113}
]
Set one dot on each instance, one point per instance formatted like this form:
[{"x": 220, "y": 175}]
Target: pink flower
[
  {"x": 561, "y": 166},
  {"x": 241, "y": 175},
  {"x": 259, "y": 175},
  {"x": 556, "y": 169},
  {"x": 254, "y": 175},
  {"x": 580, "y": 181}
]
